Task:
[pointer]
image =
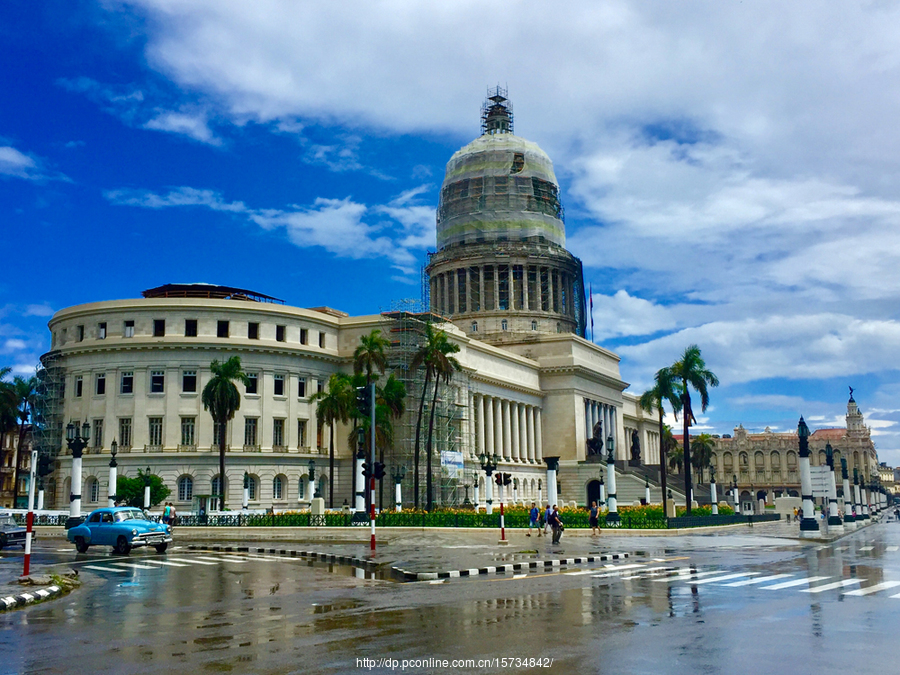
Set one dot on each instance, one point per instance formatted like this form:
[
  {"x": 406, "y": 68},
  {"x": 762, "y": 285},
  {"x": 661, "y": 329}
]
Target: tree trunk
[
  {"x": 686, "y": 415},
  {"x": 331, "y": 466},
  {"x": 223, "y": 426},
  {"x": 418, "y": 436},
  {"x": 429, "y": 445},
  {"x": 663, "y": 469}
]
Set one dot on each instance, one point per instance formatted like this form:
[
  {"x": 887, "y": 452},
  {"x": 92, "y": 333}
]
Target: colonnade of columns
[
  {"x": 509, "y": 429},
  {"x": 595, "y": 411},
  {"x": 503, "y": 287}
]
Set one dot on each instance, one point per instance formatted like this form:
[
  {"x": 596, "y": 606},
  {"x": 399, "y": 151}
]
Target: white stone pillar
[
  {"x": 538, "y": 433},
  {"x": 475, "y": 495},
  {"x": 479, "y": 409},
  {"x": 498, "y": 427},
  {"x": 75, "y": 494},
  {"x": 552, "y": 467},
  {"x": 713, "y": 496},
  {"x": 588, "y": 427},
  {"x": 360, "y": 486},
  {"x": 113, "y": 479},
  {"x": 602, "y": 492},
  {"x": 612, "y": 518},
  {"x": 489, "y": 494},
  {"x": 834, "y": 520},
  {"x": 514, "y": 428},
  {"x": 40, "y": 504},
  {"x": 809, "y": 526},
  {"x": 530, "y": 415},
  {"x": 857, "y": 502},
  {"x": 507, "y": 437},
  {"x": 398, "y": 496},
  {"x": 523, "y": 433}
]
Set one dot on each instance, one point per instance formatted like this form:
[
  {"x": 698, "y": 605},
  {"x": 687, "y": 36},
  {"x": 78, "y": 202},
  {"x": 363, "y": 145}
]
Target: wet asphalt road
[{"x": 720, "y": 604}]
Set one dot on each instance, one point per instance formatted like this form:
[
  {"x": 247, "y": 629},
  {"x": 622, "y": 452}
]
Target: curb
[
  {"x": 291, "y": 553},
  {"x": 509, "y": 567},
  {"x": 14, "y": 601}
]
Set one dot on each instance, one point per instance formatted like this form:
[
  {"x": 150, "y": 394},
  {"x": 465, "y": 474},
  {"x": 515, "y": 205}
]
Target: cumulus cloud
[{"x": 17, "y": 164}]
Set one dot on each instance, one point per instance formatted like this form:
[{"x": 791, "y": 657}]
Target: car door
[
  {"x": 93, "y": 526},
  {"x": 106, "y": 529}
]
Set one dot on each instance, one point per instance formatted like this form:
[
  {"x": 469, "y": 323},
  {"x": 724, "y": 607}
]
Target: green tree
[
  {"x": 8, "y": 406},
  {"x": 25, "y": 390},
  {"x": 221, "y": 397},
  {"x": 701, "y": 452},
  {"x": 131, "y": 490},
  {"x": 692, "y": 373},
  {"x": 676, "y": 456},
  {"x": 369, "y": 356},
  {"x": 653, "y": 400},
  {"x": 333, "y": 404}
]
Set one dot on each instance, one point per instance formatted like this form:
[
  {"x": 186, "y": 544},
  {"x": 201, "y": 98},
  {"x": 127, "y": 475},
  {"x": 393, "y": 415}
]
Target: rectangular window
[
  {"x": 278, "y": 433},
  {"x": 301, "y": 387},
  {"x": 157, "y": 381},
  {"x": 318, "y": 435},
  {"x": 79, "y": 386},
  {"x": 159, "y": 327},
  {"x": 252, "y": 383},
  {"x": 129, "y": 329},
  {"x": 322, "y": 340},
  {"x": 216, "y": 434},
  {"x": 100, "y": 384},
  {"x": 301, "y": 433},
  {"x": 101, "y": 331},
  {"x": 253, "y": 331},
  {"x": 190, "y": 328},
  {"x": 280, "y": 333},
  {"x": 222, "y": 329},
  {"x": 156, "y": 431},
  {"x": 79, "y": 332},
  {"x": 187, "y": 430},
  {"x": 127, "y": 385},
  {"x": 250, "y": 427},
  {"x": 279, "y": 386},
  {"x": 189, "y": 382},
  {"x": 304, "y": 336},
  {"x": 97, "y": 438},
  {"x": 125, "y": 432},
  {"x": 320, "y": 386}
]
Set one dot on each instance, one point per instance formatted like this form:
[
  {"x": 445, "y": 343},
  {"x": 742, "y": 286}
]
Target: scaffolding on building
[
  {"x": 405, "y": 328},
  {"x": 47, "y": 416}
]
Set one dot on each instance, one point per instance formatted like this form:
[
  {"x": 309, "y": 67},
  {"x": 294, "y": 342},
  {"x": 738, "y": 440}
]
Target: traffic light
[
  {"x": 507, "y": 479},
  {"x": 379, "y": 470},
  {"x": 363, "y": 400},
  {"x": 366, "y": 471},
  {"x": 498, "y": 478},
  {"x": 45, "y": 465}
]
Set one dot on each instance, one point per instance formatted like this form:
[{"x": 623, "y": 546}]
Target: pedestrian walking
[
  {"x": 165, "y": 514},
  {"x": 556, "y": 524},
  {"x": 595, "y": 519},
  {"x": 172, "y": 516},
  {"x": 547, "y": 513},
  {"x": 533, "y": 520}
]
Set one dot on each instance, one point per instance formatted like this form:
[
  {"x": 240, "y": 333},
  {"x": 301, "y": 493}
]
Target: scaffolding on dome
[
  {"x": 497, "y": 112},
  {"x": 405, "y": 328}
]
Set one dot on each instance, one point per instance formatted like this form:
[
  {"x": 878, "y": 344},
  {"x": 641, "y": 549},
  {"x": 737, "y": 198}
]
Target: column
[
  {"x": 454, "y": 280},
  {"x": 496, "y": 286},
  {"x": 552, "y": 468},
  {"x": 507, "y": 436},
  {"x": 445, "y": 292},
  {"x": 809, "y": 526},
  {"x": 612, "y": 517},
  {"x": 481, "y": 289},
  {"x": 614, "y": 432},
  {"x": 514, "y": 428},
  {"x": 530, "y": 414},
  {"x": 467, "y": 280},
  {"x": 858, "y": 512},
  {"x": 479, "y": 422},
  {"x": 525, "y": 287},
  {"x": 587, "y": 419},
  {"x": 489, "y": 494},
  {"x": 360, "y": 484},
  {"x": 523, "y": 434},
  {"x": 538, "y": 447},
  {"x": 498, "y": 427},
  {"x": 488, "y": 408},
  {"x": 713, "y": 497},
  {"x": 834, "y": 520}
]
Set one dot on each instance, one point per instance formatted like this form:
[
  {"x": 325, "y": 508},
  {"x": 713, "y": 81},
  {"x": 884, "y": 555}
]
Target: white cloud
[
  {"x": 17, "y": 164},
  {"x": 193, "y": 125},
  {"x": 13, "y": 345},
  {"x": 39, "y": 310}
]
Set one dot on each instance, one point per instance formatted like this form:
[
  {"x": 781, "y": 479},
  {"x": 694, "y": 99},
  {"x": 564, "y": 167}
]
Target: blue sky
[{"x": 728, "y": 170}]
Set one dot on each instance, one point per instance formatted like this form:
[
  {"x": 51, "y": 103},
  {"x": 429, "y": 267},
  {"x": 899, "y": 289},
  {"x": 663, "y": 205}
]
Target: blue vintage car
[{"x": 123, "y": 528}]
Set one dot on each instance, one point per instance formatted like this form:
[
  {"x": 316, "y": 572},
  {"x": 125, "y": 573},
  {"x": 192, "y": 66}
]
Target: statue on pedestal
[{"x": 595, "y": 442}]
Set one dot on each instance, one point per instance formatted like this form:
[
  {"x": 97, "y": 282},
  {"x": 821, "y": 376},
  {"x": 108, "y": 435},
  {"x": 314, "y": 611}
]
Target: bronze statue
[
  {"x": 635, "y": 447},
  {"x": 595, "y": 442}
]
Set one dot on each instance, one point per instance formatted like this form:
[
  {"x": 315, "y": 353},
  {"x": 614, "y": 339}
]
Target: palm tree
[
  {"x": 221, "y": 397},
  {"x": 443, "y": 366},
  {"x": 702, "y": 451},
  {"x": 369, "y": 355},
  {"x": 692, "y": 371},
  {"x": 333, "y": 405},
  {"x": 676, "y": 457},
  {"x": 422, "y": 357},
  {"x": 663, "y": 390},
  {"x": 25, "y": 391}
]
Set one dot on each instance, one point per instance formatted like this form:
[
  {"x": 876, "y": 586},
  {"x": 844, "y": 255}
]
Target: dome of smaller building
[{"x": 499, "y": 187}]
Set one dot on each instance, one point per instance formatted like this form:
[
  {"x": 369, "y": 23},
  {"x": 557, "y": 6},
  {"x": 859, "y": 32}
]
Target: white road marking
[
  {"x": 104, "y": 569},
  {"x": 164, "y": 562},
  {"x": 796, "y": 582},
  {"x": 883, "y": 586},
  {"x": 892, "y": 548},
  {"x": 63, "y": 550},
  {"x": 192, "y": 561},
  {"x": 519, "y": 576},
  {"x": 715, "y": 580},
  {"x": 831, "y": 587},
  {"x": 136, "y": 566},
  {"x": 219, "y": 560},
  {"x": 439, "y": 581},
  {"x": 865, "y": 548},
  {"x": 681, "y": 576},
  {"x": 759, "y": 580}
]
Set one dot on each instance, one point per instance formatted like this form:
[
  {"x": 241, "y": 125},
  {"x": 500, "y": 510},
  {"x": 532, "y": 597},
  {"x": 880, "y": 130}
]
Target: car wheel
[
  {"x": 122, "y": 546},
  {"x": 161, "y": 548},
  {"x": 81, "y": 545}
]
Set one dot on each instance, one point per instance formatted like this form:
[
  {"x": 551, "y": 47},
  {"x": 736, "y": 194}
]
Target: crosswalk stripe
[
  {"x": 865, "y": 548},
  {"x": 609, "y": 572},
  {"x": 685, "y": 575},
  {"x": 193, "y": 561},
  {"x": 893, "y": 548},
  {"x": 831, "y": 587},
  {"x": 883, "y": 586},
  {"x": 136, "y": 566},
  {"x": 714, "y": 580},
  {"x": 759, "y": 580},
  {"x": 796, "y": 582},
  {"x": 219, "y": 560},
  {"x": 63, "y": 550},
  {"x": 165, "y": 562},
  {"x": 104, "y": 569}
]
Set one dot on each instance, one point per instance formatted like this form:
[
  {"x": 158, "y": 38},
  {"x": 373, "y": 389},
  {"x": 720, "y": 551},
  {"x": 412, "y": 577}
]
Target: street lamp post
[
  {"x": 313, "y": 485},
  {"x": 246, "y": 501},
  {"x": 489, "y": 465},
  {"x": 147, "y": 488},
  {"x": 602, "y": 489},
  {"x": 475, "y": 494},
  {"x": 398, "y": 475},
  {"x": 809, "y": 526},
  {"x": 849, "y": 519},
  {"x": 113, "y": 473},
  {"x": 77, "y": 443},
  {"x": 834, "y": 520},
  {"x": 714, "y": 498},
  {"x": 734, "y": 494},
  {"x": 612, "y": 515},
  {"x": 647, "y": 491}
]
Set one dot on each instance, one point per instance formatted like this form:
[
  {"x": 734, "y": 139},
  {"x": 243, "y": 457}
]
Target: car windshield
[
  {"x": 132, "y": 514},
  {"x": 7, "y": 520}
]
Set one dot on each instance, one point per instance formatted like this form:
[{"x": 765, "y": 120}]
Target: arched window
[
  {"x": 760, "y": 460},
  {"x": 504, "y": 325},
  {"x": 301, "y": 488},
  {"x": 278, "y": 488},
  {"x": 474, "y": 326},
  {"x": 856, "y": 464},
  {"x": 823, "y": 459},
  {"x": 185, "y": 489},
  {"x": 93, "y": 490},
  {"x": 216, "y": 486},
  {"x": 775, "y": 458},
  {"x": 728, "y": 461},
  {"x": 534, "y": 325},
  {"x": 792, "y": 461}
]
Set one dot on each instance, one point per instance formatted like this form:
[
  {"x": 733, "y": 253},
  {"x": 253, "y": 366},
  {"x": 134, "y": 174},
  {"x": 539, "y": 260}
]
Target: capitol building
[{"x": 532, "y": 389}]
